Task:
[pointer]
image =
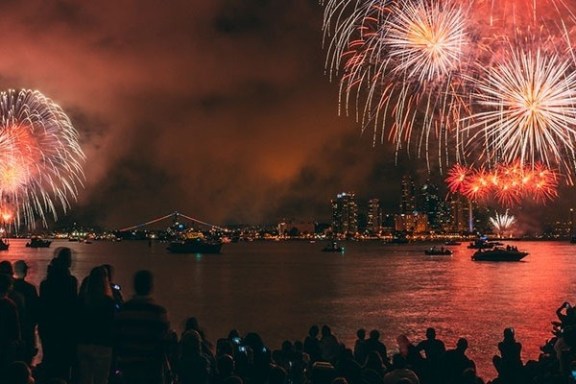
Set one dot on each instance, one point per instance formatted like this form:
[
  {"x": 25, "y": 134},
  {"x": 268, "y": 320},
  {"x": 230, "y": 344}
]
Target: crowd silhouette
[{"x": 89, "y": 334}]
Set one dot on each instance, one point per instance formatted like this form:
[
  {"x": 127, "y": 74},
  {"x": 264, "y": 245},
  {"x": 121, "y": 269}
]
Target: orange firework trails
[
  {"x": 40, "y": 158},
  {"x": 460, "y": 81},
  {"x": 509, "y": 184}
]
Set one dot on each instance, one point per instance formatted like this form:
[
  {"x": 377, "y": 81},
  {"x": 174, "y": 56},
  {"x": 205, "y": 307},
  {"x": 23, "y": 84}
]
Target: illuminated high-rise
[
  {"x": 408, "y": 198},
  {"x": 345, "y": 214},
  {"x": 374, "y": 216}
]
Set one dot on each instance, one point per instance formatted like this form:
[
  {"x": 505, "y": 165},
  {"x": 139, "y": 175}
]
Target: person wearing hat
[{"x": 30, "y": 294}]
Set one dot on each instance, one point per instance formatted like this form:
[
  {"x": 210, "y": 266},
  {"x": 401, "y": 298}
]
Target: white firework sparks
[
  {"x": 527, "y": 109},
  {"x": 502, "y": 223}
]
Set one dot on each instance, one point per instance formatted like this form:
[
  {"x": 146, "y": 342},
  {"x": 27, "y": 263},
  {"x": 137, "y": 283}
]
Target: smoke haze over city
[{"x": 219, "y": 109}]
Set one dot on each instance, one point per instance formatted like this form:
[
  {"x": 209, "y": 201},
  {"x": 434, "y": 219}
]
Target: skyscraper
[
  {"x": 374, "y": 216},
  {"x": 408, "y": 198},
  {"x": 345, "y": 214},
  {"x": 430, "y": 203}
]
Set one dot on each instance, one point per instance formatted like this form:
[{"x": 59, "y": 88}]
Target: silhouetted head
[
  {"x": 314, "y": 331},
  {"x": 6, "y": 268},
  {"x": 430, "y": 333},
  {"x": 20, "y": 269},
  {"x": 509, "y": 333},
  {"x": 109, "y": 270},
  {"x": 402, "y": 341},
  {"x": 63, "y": 257},
  {"x": 192, "y": 323},
  {"x": 143, "y": 282},
  {"x": 326, "y": 331},
  {"x": 361, "y": 333},
  {"x": 374, "y": 334},
  {"x": 286, "y": 346},
  {"x": 462, "y": 344}
]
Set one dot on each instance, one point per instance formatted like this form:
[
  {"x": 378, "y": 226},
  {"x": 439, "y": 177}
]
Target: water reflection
[{"x": 280, "y": 289}]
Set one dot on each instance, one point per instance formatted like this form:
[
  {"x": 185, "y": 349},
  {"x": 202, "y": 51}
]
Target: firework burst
[
  {"x": 528, "y": 110},
  {"x": 509, "y": 184},
  {"x": 40, "y": 157},
  {"x": 502, "y": 223},
  {"x": 478, "y": 81}
]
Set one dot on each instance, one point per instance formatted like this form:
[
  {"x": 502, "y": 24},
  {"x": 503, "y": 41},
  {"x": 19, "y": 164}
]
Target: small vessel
[
  {"x": 483, "y": 244},
  {"x": 499, "y": 254},
  {"x": 438, "y": 251},
  {"x": 333, "y": 247},
  {"x": 37, "y": 242},
  {"x": 4, "y": 245},
  {"x": 196, "y": 245}
]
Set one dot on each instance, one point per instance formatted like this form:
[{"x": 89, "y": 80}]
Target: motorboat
[
  {"x": 499, "y": 254},
  {"x": 438, "y": 251},
  {"x": 483, "y": 244},
  {"x": 333, "y": 247},
  {"x": 196, "y": 245},
  {"x": 37, "y": 242}
]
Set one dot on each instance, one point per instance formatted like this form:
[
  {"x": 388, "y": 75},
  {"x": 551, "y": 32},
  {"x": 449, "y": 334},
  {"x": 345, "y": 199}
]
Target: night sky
[{"x": 219, "y": 109}]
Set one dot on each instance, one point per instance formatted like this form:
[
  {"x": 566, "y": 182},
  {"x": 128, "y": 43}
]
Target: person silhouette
[{"x": 509, "y": 364}]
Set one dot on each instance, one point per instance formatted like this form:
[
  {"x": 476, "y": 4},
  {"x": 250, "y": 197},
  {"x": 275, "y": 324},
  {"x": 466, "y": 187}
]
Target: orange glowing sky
[{"x": 217, "y": 109}]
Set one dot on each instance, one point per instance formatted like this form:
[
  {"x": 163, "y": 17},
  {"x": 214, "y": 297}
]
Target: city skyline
[{"x": 221, "y": 110}]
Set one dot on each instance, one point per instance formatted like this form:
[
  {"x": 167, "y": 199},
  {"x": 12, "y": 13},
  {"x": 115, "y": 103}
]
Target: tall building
[
  {"x": 374, "y": 216},
  {"x": 429, "y": 203},
  {"x": 345, "y": 214},
  {"x": 408, "y": 198}
]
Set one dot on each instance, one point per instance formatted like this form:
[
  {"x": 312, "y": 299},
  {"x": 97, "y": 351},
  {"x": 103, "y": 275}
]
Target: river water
[{"x": 279, "y": 289}]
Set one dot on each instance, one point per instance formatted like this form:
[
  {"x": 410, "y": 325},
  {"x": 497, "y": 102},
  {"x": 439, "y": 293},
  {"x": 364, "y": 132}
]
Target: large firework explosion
[
  {"x": 40, "y": 158},
  {"x": 478, "y": 82}
]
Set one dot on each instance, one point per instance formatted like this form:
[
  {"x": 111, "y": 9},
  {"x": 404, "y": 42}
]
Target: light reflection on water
[{"x": 279, "y": 289}]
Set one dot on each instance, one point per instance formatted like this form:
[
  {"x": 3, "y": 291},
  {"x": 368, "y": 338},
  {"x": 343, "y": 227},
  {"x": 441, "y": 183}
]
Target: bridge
[{"x": 174, "y": 217}]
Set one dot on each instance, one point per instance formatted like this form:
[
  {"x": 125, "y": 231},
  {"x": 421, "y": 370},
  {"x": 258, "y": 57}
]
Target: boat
[
  {"x": 4, "y": 245},
  {"x": 438, "y": 251},
  {"x": 196, "y": 245},
  {"x": 452, "y": 242},
  {"x": 499, "y": 254},
  {"x": 483, "y": 244},
  {"x": 333, "y": 247},
  {"x": 36, "y": 242}
]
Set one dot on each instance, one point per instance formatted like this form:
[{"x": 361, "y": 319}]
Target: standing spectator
[
  {"x": 374, "y": 344},
  {"x": 58, "y": 320},
  {"x": 509, "y": 364},
  {"x": 9, "y": 325},
  {"x": 31, "y": 303},
  {"x": 312, "y": 344},
  {"x": 411, "y": 354},
  {"x": 360, "y": 350},
  {"x": 194, "y": 366},
  {"x": 330, "y": 348},
  {"x": 456, "y": 362},
  {"x": 434, "y": 350},
  {"x": 141, "y": 333},
  {"x": 97, "y": 308}
]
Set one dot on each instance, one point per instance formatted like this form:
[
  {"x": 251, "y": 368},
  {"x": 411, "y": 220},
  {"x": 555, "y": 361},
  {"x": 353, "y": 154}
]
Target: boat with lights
[{"x": 499, "y": 254}]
